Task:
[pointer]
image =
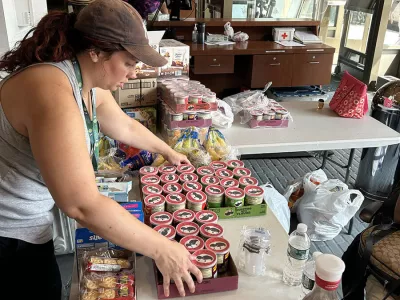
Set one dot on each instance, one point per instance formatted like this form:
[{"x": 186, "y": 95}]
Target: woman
[
  {"x": 49, "y": 108},
  {"x": 147, "y": 7}
]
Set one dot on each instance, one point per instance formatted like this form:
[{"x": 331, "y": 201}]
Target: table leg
[
  {"x": 348, "y": 167},
  {"x": 324, "y": 157}
]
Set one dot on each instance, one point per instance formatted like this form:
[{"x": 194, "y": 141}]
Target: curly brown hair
[{"x": 54, "y": 39}]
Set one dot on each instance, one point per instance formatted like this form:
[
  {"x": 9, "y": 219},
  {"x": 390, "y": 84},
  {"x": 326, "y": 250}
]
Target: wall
[{"x": 10, "y": 32}]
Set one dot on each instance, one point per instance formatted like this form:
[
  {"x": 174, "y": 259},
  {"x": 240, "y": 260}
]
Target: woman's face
[{"x": 115, "y": 70}]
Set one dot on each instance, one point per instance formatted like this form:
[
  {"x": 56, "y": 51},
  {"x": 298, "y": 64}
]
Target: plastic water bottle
[
  {"x": 297, "y": 255},
  {"x": 328, "y": 273},
  {"x": 308, "y": 278}
]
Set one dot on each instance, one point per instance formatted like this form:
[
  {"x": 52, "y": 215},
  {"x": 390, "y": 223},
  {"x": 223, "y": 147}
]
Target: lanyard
[{"x": 92, "y": 125}]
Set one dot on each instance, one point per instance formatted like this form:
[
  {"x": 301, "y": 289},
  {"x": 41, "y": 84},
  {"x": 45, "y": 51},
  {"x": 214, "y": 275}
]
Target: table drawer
[
  {"x": 213, "y": 64},
  {"x": 312, "y": 69},
  {"x": 275, "y": 68}
]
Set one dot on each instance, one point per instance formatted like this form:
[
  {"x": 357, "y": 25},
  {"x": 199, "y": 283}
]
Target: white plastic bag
[
  {"x": 295, "y": 190},
  {"x": 328, "y": 208},
  {"x": 278, "y": 205},
  {"x": 223, "y": 117}
]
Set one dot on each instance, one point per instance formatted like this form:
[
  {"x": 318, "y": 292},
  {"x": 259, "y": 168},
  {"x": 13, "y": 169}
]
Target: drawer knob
[
  {"x": 313, "y": 57},
  {"x": 214, "y": 59},
  {"x": 274, "y": 58}
]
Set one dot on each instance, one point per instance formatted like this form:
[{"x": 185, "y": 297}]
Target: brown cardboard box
[
  {"x": 148, "y": 91},
  {"x": 178, "y": 55},
  {"x": 129, "y": 95}
]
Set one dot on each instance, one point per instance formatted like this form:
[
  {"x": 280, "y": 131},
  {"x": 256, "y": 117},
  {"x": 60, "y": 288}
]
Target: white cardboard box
[
  {"x": 129, "y": 95},
  {"x": 178, "y": 55},
  {"x": 283, "y": 34}
]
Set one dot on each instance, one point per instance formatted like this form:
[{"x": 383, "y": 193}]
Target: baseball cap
[{"x": 115, "y": 21}]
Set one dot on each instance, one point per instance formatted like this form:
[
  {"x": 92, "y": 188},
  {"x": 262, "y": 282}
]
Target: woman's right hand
[{"x": 174, "y": 263}]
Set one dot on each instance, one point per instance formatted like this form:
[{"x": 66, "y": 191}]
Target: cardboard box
[
  {"x": 227, "y": 281},
  {"x": 129, "y": 95},
  {"x": 115, "y": 190},
  {"x": 145, "y": 115},
  {"x": 178, "y": 55},
  {"x": 148, "y": 90},
  {"x": 146, "y": 71},
  {"x": 240, "y": 212}
]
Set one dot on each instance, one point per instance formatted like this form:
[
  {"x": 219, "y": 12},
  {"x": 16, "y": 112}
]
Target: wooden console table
[{"x": 257, "y": 61}]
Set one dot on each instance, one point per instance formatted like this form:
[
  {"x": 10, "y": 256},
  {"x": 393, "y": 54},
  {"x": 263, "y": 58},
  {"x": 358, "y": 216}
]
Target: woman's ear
[{"x": 94, "y": 55}]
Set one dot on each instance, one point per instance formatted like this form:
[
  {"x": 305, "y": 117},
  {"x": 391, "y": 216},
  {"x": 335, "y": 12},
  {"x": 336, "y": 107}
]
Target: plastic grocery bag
[
  {"x": 296, "y": 189},
  {"x": 278, "y": 205},
  {"x": 328, "y": 208}
]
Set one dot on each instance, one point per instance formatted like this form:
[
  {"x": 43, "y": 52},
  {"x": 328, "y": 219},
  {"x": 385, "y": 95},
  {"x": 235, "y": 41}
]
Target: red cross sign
[{"x": 284, "y": 35}]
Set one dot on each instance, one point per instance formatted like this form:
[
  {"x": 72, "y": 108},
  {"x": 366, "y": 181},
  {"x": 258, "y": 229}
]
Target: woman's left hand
[{"x": 176, "y": 158}]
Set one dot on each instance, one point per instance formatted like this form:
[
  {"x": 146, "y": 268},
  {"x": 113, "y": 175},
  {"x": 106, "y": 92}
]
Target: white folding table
[{"x": 313, "y": 130}]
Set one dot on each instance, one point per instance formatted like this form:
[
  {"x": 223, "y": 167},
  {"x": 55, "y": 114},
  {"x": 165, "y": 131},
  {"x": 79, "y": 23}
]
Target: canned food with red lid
[
  {"x": 232, "y": 164},
  {"x": 151, "y": 189},
  {"x": 205, "y": 171},
  {"x": 215, "y": 195},
  {"x": 205, "y": 217},
  {"x": 183, "y": 215},
  {"x": 229, "y": 182},
  {"x": 185, "y": 168},
  {"x": 223, "y": 173},
  {"x": 221, "y": 247},
  {"x": 253, "y": 195},
  {"x": 167, "y": 170},
  {"x": 154, "y": 203},
  {"x": 172, "y": 188},
  {"x": 188, "y": 177},
  {"x": 186, "y": 228},
  {"x": 206, "y": 261},
  {"x": 234, "y": 197},
  {"x": 175, "y": 201},
  {"x": 218, "y": 165},
  {"x": 160, "y": 218},
  {"x": 148, "y": 170},
  {"x": 169, "y": 178},
  {"x": 211, "y": 230},
  {"x": 149, "y": 179},
  {"x": 246, "y": 181},
  {"x": 189, "y": 186},
  {"x": 209, "y": 180},
  {"x": 196, "y": 200},
  {"x": 192, "y": 243},
  {"x": 166, "y": 230},
  {"x": 241, "y": 172}
]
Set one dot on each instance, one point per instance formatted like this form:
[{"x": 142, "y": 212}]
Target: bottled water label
[
  {"x": 308, "y": 283},
  {"x": 297, "y": 254}
]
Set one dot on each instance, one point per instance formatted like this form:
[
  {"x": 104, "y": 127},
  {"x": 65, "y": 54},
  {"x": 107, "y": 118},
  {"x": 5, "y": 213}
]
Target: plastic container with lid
[
  {"x": 185, "y": 168},
  {"x": 148, "y": 170},
  {"x": 256, "y": 114},
  {"x": 254, "y": 195},
  {"x": 205, "y": 171},
  {"x": 246, "y": 181},
  {"x": 188, "y": 177},
  {"x": 206, "y": 261},
  {"x": 174, "y": 202},
  {"x": 232, "y": 164},
  {"x": 160, "y": 218},
  {"x": 209, "y": 180},
  {"x": 223, "y": 173},
  {"x": 205, "y": 217},
  {"x": 204, "y": 115},
  {"x": 218, "y": 165},
  {"x": 211, "y": 230},
  {"x": 190, "y": 115},
  {"x": 234, "y": 197},
  {"x": 181, "y": 98},
  {"x": 166, "y": 230},
  {"x": 167, "y": 170},
  {"x": 189, "y": 186},
  {"x": 221, "y": 248},
  {"x": 195, "y": 98},
  {"x": 210, "y": 97},
  {"x": 172, "y": 188},
  {"x": 149, "y": 179},
  {"x": 186, "y": 228},
  {"x": 229, "y": 182},
  {"x": 192, "y": 243},
  {"x": 169, "y": 178},
  {"x": 215, "y": 195},
  {"x": 183, "y": 215},
  {"x": 154, "y": 203},
  {"x": 176, "y": 116},
  {"x": 196, "y": 200},
  {"x": 151, "y": 189},
  {"x": 241, "y": 172}
]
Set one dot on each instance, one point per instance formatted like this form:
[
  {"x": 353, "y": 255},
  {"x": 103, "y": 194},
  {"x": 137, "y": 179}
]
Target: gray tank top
[{"x": 25, "y": 201}]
